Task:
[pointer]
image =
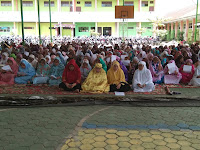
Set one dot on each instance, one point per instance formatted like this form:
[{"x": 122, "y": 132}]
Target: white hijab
[
  {"x": 142, "y": 76},
  {"x": 4, "y": 61},
  {"x": 49, "y": 59}
]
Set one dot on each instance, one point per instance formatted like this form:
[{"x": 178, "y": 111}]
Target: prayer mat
[{"x": 54, "y": 90}]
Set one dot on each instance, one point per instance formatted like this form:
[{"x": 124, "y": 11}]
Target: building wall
[
  {"x": 45, "y": 26},
  {"x": 4, "y": 25},
  {"x": 148, "y": 31},
  {"x": 83, "y": 24}
]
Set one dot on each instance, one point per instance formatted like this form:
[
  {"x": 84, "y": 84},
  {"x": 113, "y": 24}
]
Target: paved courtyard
[{"x": 99, "y": 128}]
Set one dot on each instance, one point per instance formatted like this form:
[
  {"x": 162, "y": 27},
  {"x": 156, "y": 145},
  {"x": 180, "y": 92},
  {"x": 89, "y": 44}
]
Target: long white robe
[
  {"x": 196, "y": 81},
  {"x": 143, "y": 77}
]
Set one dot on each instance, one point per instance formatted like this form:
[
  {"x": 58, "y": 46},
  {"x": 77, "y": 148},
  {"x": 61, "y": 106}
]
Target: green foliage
[{"x": 180, "y": 35}]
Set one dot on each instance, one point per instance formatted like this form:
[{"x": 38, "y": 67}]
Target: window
[
  {"x": 151, "y": 2},
  {"x": 131, "y": 28},
  {"x": 83, "y": 29},
  {"x": 28, "y": 27},
  {"x": 88, "y": 4},
  {"x": 184, "y": 26},
  {"x": 144, "y": 3},
  {"x": 148, "y": 27},
  {"x": 46, "y": 4},
  {"x": 66, "y": 28},
  {"x": 93, "y": 28},
  {"x": 78, "y": 9},
  {"x": 128, "y": 3},
  {"x": 4, "y": 29},
  {"x": 6, "y": 3},
  {"x": 106, "y": 4},
  {"x": 27, "y": 3},
  {"x": 151, "y": 8},
  {"x": 190, "y": 25},
  {"x": 64, "y": 3},
  {"x": 78, "y": 2}
]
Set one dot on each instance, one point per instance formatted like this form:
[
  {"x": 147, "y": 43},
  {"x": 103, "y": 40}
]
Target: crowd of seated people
[{"x": 99, "y": 65}]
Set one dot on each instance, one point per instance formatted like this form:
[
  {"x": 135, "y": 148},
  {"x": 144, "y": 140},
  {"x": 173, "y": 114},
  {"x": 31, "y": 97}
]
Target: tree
[{"x": 158, "y": 24}]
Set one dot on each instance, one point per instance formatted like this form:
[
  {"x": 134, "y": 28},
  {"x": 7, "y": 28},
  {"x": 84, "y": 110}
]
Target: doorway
[{"x": 107, "y": 31}]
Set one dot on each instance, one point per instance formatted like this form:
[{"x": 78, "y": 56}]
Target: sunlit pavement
[{"x": 100, "y": 127}]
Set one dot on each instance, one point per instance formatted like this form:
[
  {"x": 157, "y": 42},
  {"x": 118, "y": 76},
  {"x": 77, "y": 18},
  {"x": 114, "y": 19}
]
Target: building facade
[
  {"x": 75, "y": 18},
  {"x": 183, "y": 20}
]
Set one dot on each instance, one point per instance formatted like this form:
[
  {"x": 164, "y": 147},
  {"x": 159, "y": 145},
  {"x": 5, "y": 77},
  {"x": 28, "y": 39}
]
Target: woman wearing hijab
[
  {"x": 4, "y": 58},
  {"x": 25, "y": 72},
  {"x": 96, "y": 82},
  {"x": 56, "y": 72},
  {"x": 123, "y": 67},
  {"x": 8, "y": 77},
  {"x": 196, "y": 78},
  {"x": 179, "y": 61},
  {"x": 142, "y": 80},
  {"x": 174, "y": 77},
  {"x": 42, "y": 73},
  {"x": 157, "y": 70},
  {"x": 33, "y": 61},
  {"x": 19, "y": 58},
  {"x": 133, "y": 68},
  {"x": 59, "y": 54},
  {"x": 116, "y": 78},
  {"x": 187, "y": 76},
  {"x": 85, "y": 69},
  {"x": 48, "y": 59},
  {"x": 52, "y": 59},
  {"x": 142, "y": 55},
  {"x": 71, "y": 77}
]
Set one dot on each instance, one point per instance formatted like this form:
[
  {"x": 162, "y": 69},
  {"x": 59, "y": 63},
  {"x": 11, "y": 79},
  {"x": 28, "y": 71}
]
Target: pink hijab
[{"x": 14, "y": 66}]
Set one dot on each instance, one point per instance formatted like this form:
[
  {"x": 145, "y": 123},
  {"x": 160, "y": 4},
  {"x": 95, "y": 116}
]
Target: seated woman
[
  {"x": 116, "y": 78},
  {"x": 124, "y": 69},
  {"x": 196, "y": 78},
  {"x": 7, "y": 77},
  {"x": 187, "y": 76},
  {"x": 173, "y": 78},
  {"x": 56, "y": 72},
  {"x": 96, "y": 82},
  {"x": 71, "y": 77},
  {"x": 25, "y": 72},
  {"x": 142, "y": 80},
  {"x": 85, "y": 69},
  {"x": 133, "y": 67},
  {"x": 42, "y": 73},
  {"x": 4, "y": 58},
  {"x": 157, "y": 70}
]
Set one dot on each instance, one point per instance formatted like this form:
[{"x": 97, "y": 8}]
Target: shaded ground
[{"x": 100, "y": 127}]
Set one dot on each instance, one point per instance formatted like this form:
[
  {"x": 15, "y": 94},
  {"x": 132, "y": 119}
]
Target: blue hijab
[
  {"x": 61, "y": 58},
  {"x": 57, "y": 71},
  {"x": 28, "y": 70}
]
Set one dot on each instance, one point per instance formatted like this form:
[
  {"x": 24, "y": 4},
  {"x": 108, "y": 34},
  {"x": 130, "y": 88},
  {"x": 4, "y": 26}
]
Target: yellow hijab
[
  {"x": 115, "y": 77},
  {"x": 96, "y": 82}
]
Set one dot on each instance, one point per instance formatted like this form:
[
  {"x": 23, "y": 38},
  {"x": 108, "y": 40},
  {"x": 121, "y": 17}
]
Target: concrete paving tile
[
  {"x": 137, "y": 147},
  {"x": 99, "y": 138},
  {"x": 123, "y": 139},
  {"x": 111, "y": 136},
  {"x": 87, "y": 141},
  {"x": 196, "y": 146},
  {"x": 173, "y": 146},
  {"x": 148, "y": 145},
  {"x": 146, "y": 139},
  {"x": 86, "y": 146},
  {"x": 111, "y": 147},
  {"x": 99, "y": 144},
  {"x": 122, "y": 133},
  {"x": 134, "y": 136},
  {"x": 112, "y": 141},
  {"x": 162, "y": 148},
  {"x": 124, "y": 144},
  {"x": 159, "y": 142},
  {"x": 170, "y": 140}
]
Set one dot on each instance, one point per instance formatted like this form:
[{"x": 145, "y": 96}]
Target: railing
[{"x": 31, "y": 16}]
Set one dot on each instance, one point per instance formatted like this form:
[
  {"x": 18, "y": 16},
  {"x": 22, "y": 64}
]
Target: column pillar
[
  {"x": 95, "y": 5},
  {"x": 186, "y": 29},
  {"x": 59, "y": 5},
  {"x": 193, "y": 28},
  {"x": 16, "y": 1},
  {"x": 60, "y": 29},
  {"x": 96, "y": 27},
  {"x": 139, "y": 5},
  {"x": 74, "y": 5},
  {"x": 117, "y": 2},
  {"x": 172, "y": 30},
  {"x": 13, "y": 6},
  {"x": 176, "y": 29}
]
